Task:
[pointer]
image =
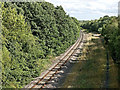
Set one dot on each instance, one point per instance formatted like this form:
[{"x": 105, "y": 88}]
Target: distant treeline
[
  {"x": 32, "y": 32},
  {"x": 109, "y": 27}
]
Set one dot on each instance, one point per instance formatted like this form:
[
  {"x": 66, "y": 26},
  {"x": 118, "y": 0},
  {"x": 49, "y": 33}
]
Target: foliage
[
  {"x": 108, "y": 27},
  {"x": 31, "y": 33},
  {"x": 55, "y": 30}
]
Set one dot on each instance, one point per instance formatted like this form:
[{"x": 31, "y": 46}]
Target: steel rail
[{"x": 70, "y": 51}]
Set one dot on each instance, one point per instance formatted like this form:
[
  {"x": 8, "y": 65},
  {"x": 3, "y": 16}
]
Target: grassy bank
[{"x": 91, "y": 73}]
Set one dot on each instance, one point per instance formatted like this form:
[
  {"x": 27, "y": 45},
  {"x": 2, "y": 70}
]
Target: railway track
[{"x": 42, "y": 81}]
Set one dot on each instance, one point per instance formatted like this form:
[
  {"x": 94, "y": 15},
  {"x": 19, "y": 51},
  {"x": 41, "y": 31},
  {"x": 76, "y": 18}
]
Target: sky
[{"x": 88, "y": 9}]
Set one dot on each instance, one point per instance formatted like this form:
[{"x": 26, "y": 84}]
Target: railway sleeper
[
  {"x": 47, "y": 77},
  {"x": 74, "y": 61},
  {"x": 75, "y": 58},
  {"x": 76, "y": 55},
  {"x": 63, "y": 66},
  {"x": 42, "y": 83},
  {"x": 61, "y": 71},
  {"x": 52, "y": 72},
  {"x": 50, "y": 82},
  {"x": 37, "y": 86},
  {"x": 45, "y": 81},
  {"x": 69, "y": 54},
  {"x": 61, "y": 63},
  {"x": 57, "y": 68},
  {"x": 80, "y": 52}
]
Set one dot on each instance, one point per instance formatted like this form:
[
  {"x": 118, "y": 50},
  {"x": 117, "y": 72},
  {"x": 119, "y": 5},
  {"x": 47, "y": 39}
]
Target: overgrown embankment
[
  {"x": 109, "y": 27},
  {"x": 91, "y": 72}
]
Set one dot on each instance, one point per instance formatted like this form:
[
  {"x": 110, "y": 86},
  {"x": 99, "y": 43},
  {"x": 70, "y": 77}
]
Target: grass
[
  {"x": 114, "y": 75},
  {"x": 91, "y": 72}
]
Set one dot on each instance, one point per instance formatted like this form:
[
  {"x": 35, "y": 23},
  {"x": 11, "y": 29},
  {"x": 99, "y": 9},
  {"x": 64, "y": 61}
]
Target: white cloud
[{"x": 86, "y": 8}]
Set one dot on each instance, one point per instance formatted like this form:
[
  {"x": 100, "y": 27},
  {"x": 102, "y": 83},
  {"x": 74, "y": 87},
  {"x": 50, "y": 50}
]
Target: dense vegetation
[
  {"x": 108, "y": 27},
  {"x": 31, "y": 34}
]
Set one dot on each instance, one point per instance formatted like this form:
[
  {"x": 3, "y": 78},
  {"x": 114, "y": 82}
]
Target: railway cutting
[{"x": 54, "y": 73}]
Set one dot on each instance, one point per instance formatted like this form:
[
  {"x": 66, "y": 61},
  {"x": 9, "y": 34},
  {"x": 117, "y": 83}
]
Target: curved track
[{"x": 41, "y": 82}]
